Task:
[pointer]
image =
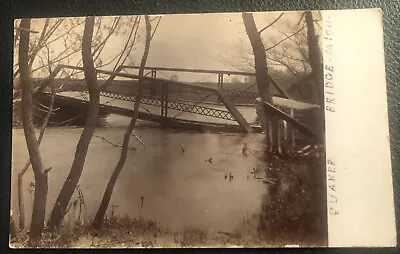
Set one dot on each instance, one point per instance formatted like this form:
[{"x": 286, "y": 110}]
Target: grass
[{"x": 124, "y": 232}]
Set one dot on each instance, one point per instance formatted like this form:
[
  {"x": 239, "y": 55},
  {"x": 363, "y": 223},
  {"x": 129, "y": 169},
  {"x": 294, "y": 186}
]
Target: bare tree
[
  {"x": 21, "y": 206},
  {"x": 40, "y": 48},
  {"x": 287, "y": 56},
  {"x": 40, "y": 173},
  {"x": 71, "y": 182},
  {"x": 98, "y": 219},
  {"x": 315, "y": 58},
  {"x": 260, "y": 63}
]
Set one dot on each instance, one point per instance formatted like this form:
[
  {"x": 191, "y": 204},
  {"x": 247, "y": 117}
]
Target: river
[{"x": 179, "y": 189}]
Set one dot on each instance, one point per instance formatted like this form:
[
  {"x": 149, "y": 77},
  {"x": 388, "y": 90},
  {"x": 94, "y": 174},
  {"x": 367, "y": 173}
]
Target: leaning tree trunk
[
  {"x": 262, "y": 79},
  {"x": 39, "y": 203},
  {"x": 21, "y": 206},
  {"x": 74, "y": 175},
  {"x": 98, "y": 219},
  {"x": 315, "y": 58}
]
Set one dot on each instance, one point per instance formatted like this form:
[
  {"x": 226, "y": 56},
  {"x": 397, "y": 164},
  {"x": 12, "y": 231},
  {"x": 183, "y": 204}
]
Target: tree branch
[
  {"x": 155, "y": 29},
  {"x": 26, "y": 30},
  {"x": 111, "y": 143},
  {"x": 133, "y": 134},
  {"x": 273, "y": 22},
  {"x": 286, "y": 38}
]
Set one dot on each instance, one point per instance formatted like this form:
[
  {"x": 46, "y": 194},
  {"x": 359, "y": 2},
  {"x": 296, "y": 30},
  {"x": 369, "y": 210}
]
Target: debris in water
[
  {"x": 230, "y": 176},
  {"x": 210, "y": 160},
  {"x": 225, "y": 175},
  {"x": 183, "y": 148},
  {"x": 267, "y": 181},
  {"x": 245, "y": 149}
]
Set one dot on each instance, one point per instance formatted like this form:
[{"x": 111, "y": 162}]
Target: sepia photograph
[{"x": 178, "y": 130}]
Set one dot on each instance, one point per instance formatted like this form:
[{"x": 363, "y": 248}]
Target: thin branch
[
  {"x": 133, "y": 42},
  {"x": 155, "y": 29},
  {"x": 301, "y": 18},
  {"x": 133, "y": 134},
  {"x": 126, "y": 45},
  {"x": 36, "y": 49},
  {"x": 112, "y": 30},
  {"x": 289, "y": 57},
  {"x": 100, "y": 47},
  {"x": 111, "y": 143},
  {"x": 53, "y": 28},
  {"x": 283, "y": 64},
  {"x": 27, "y": 30},
  {"x": 284, "y": 39},
  {"x": 66, "y": 33},
  {"x": 273, "y": 22},
  {"x": 55, "y": 60}
]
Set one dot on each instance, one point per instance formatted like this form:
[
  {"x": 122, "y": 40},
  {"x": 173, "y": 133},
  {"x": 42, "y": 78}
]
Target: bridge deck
[{"x": 163, "y": 121}]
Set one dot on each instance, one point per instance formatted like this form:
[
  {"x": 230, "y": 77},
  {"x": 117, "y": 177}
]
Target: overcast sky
[{"x": 203, "y": 41}]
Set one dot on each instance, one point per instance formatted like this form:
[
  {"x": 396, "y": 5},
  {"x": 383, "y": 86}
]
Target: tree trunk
[
  {"x": 98, "y": 220},
  {"x": 259, "y": 57},
  {"x": 314, "y": 58},
  {"x": 262, "y": 79},
  {"x": 21, "y": 206},
  {"x": 13, "y": 225},
  {"x": 71, "y": 182},
  {"x": 39, "y": 203}
]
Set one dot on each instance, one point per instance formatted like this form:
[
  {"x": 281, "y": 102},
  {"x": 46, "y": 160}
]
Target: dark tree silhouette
[
  {"x": 98, "y": 219},
  {"x": 315, "y": 59},
  {"x": 40, "y": 173},
  {"x": 262, "y": 79},
  {"x": 74, "y": 175}
]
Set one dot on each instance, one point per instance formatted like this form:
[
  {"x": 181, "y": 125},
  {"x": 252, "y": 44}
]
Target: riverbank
[{"x": 123, "y": 232}]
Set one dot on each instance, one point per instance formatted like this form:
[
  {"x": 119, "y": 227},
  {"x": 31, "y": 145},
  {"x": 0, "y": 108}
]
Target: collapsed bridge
[{"x": 167, "y": 102}]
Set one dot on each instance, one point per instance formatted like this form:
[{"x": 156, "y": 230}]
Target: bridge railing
[
  {"x": 233, "y": 95},
  {"x": 173, "y": 98}
]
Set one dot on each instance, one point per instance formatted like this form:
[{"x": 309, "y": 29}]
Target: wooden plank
[
  {"x": 271, "y": 110},
  {"x": 233, "y": 110}
]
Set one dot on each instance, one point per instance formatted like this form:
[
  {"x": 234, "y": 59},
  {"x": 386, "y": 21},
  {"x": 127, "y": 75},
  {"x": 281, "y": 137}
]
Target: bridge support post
[
  {"x": 220, "y": 85},
  {"x": 164, "y": 101},
  {"x": 152, "y": 88}
]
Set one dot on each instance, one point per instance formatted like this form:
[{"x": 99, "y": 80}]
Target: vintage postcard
[{"x": 263, "y": 129}]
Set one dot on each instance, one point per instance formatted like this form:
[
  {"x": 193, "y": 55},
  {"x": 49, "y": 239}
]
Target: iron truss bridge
[{"x": 175, "y": 105}]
